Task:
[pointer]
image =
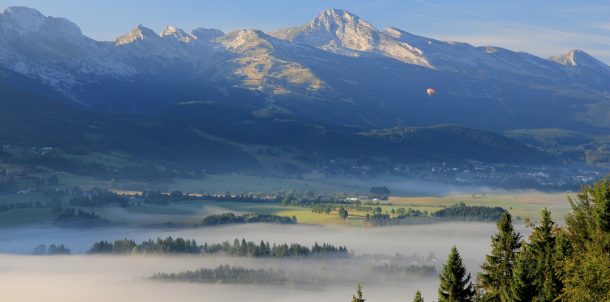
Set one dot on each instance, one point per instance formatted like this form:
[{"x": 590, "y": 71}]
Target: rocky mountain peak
[
  {"x": 173, "y": 32},
  {"x": 575, "y": 57},
  {"x": 23, "y": 18},
  {"x": 139, "y": 33}
]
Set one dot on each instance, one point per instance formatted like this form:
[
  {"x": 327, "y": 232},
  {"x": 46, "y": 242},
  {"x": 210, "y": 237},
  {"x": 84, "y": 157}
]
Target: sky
[{"x": 540, "y": 27}]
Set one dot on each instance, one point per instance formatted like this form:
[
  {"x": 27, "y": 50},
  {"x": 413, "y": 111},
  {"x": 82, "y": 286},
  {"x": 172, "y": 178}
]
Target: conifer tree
[
  {"x": 586, "y": 271},
  {"x": 455, "y": 283},
  {"x": 418, "y": 297},
  {"x": 523, "y": 289},
  {"x": 358, "y": 296},
  {"x": 536, "y": 276},
  {"x": 496, "y": 279}
]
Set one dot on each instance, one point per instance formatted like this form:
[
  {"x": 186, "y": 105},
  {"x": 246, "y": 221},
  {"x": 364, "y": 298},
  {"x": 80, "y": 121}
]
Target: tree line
[
  {"x": 457, "y": 212},
  {"x": 51, "y": 250},
  {"x": 231, "y": 218},
  {"x": 78, "y": 218},
  {"x": 227, "y": 274},
  {"x": 239, "y": 248}
]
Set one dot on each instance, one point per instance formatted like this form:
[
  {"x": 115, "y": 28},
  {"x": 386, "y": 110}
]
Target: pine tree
[
  {"x": 496, "y": 279},
  {"x": 542, "y": 245},
  {"x": 586, "y": 272},
  {"x": 455, "y": 283},
  {"x": 358, "y": 296},
  {"x": 535, "y": 277},
  {"x": 418, "y": 297},
  {"x": 523, "y": 289}
]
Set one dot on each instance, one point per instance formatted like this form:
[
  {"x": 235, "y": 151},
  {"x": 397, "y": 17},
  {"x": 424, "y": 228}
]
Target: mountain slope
[
  {"x": 448, "y": 143},
  {"x": 580, "y": 65},
  {"x": 29, "y": 119},
  {"x": 210, "y": 136},
  {"x": 336, "y": 70}
]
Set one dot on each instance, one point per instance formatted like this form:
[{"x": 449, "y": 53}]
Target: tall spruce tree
[
  {"x": 586, "y": 272},
  {"x": 495, "y": 282},
  {"x": 418, "y": 297},
  {"x": 455, "y": 282},
  {"x": 536, "y": 276},
  {"x": 542, "y": 244},
  {"x": 523, "y": 289},
  {"x": 358, "y": 296}
]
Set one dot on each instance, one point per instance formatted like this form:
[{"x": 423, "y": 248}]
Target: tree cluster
[
  {"x": 239, "y": 248},
  {"x": 231, "y": 218},
  {"x": 227, "y": 274},
  {"x": 53, "y": 249},
  {"x": 73, "y": 217},
  {"x": 460, "y": 211},
  {"x": 380, "y": 192}
]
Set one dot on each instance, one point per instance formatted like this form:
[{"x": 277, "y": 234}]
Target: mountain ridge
[{"x": 336, "y": 69}]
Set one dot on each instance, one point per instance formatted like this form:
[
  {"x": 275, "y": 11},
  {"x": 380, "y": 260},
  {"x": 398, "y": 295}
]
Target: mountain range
[{"x": 338, "y": 73}]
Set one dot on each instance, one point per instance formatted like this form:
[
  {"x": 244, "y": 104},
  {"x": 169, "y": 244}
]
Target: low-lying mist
[
  {"x": 472, "y": 238},
  {"x": 120, "y": 278},
  {"x": 123, "y": 278}
]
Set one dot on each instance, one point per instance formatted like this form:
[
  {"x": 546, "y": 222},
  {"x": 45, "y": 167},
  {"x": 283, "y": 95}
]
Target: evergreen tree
[
  {"x": 536, "y": 276},
  {"x": 586, "y": 271},
  {"x": 523, "y": 289},
  {"x": 455, "y": 283},
  {"x": 495, "y": 280},
  {"x": 358, "y": 296},
  {"x": 542, "y": 246},
  {"x": 418, "y": 297}
]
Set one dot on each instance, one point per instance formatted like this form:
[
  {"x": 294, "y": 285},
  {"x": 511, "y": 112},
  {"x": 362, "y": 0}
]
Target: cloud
[{"x": 538, "y": 40}]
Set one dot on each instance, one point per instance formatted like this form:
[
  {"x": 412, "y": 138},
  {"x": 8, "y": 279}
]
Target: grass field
[
  {"x": 526, "y": 205},
  {"x": 523, "y": 205}
]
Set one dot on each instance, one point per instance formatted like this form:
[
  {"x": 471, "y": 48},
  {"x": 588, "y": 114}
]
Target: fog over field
[
  {"x": 95, "y": 278},
  {"x": 471, "y": 237},
  {"x": 120, "y": 278}
]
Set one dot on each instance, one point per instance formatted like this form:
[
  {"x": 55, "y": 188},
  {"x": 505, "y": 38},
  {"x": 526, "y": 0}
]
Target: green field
[
  {"x": 521, "y": 205},
  {"x": 525, "y": 205}
]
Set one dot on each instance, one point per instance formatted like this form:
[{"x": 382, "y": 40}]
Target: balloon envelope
[{"x": 430, "y": 91}]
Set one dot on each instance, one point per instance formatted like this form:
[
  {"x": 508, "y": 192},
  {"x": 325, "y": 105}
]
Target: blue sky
[{"x": 541, "y": 27}]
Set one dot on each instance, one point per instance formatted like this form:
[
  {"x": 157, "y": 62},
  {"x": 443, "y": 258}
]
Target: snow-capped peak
[
  {"x": 16, "y": 21},
  {"x": 137, "y": 34},
  {"x": 22, "y": 18},
  {"x": 344, "y": 33},
  {"x": 178, "y": 34},
  {"x": 334, "y": 27},
  {"x": 576, "y": 57},
  {"x": 336, "y": 19},
  {"x": 246, "y": 39},
  {"x": 565, "y": 59}
]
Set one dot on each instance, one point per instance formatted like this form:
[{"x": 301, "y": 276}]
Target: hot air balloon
[{"x": 430, "y": 91}]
